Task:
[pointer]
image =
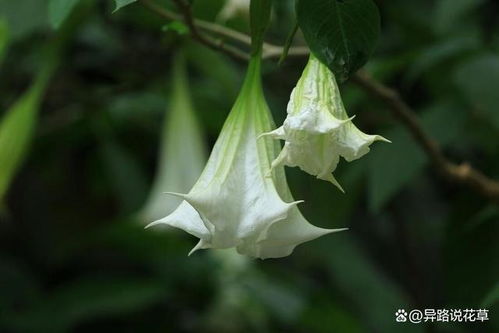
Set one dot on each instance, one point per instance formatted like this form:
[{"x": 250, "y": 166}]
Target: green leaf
[
  {"x": 17, "y": 124},
  {"x": 16, "y": 130},
  {"x": 176, "y": 26},
  {"x": 353, "y": 268},
  {"x": 59, "y": 10},
  {"x": 341, "y": 33},
  {"x": 122, "y": 3},
  {"x": 260, "y": 19},
  {"x": 395, "y": 165},
  {"x": 404, "y": 156},
  {"x": 478, "y": 81}
]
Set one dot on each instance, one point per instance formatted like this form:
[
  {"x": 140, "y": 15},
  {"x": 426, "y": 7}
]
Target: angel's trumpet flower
[
  {"x": 182, "y": 154},
  {"x": 317, "y": 130},
  {"x": 237, "y": 201}
]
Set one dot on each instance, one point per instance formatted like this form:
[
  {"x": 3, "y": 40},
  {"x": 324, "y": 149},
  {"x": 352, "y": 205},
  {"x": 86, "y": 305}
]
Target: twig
[
  {"x": 463, "y": 173},
  {"x": 270, "y": 50},
  {"x": 196, "y": 34}
]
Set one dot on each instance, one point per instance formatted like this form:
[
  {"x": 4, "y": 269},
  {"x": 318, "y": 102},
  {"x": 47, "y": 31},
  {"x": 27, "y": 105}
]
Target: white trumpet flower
[
  {"x": 233, "y": 8},
  {"x": 317, "y": 130},
  {"x": 182, "y": 154},
  {"x": 237, "y": 201}
]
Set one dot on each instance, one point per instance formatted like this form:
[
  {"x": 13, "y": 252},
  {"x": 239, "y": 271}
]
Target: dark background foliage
[{"x": 72, "y": 258}]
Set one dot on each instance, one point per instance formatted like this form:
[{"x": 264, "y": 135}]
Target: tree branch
[
  {"x": 215, "y": 44},
  {"x": 270, "y": 50},
  {"x": 463, "y": 173},
  {"x": 460, "y": 173}
]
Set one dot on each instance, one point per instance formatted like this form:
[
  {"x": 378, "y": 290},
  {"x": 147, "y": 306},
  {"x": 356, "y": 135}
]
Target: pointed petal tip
[
  {"x": 152, "y": 224},
  {"x": 383, "y": 139},
  {"x": 330, "y": 178},
  {"x": 180, "y": 195},
  {"x": 295, "y": 203},
  {"x": 333, "y": 231},
  {"x": 199, "y": 246},
  {"x": 350, "y": 119},
  {"x": 275, "y": 134}
]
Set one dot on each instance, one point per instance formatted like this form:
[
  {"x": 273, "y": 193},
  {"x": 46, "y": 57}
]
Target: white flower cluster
[{"x": 242, "y": 199}]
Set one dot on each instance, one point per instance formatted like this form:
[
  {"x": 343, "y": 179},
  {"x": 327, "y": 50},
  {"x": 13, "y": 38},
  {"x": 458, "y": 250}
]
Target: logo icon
[{"x": 401, "y": 316}]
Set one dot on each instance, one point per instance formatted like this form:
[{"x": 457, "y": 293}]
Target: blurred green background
[{"x": 74, "y": 256}]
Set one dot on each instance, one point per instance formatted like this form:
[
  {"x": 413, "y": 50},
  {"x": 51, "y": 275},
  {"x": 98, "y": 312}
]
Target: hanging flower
[
  {"x": 182, "y": 154},
  {"x": 317, "y": 130},
  {"x": 233, "y": 8},
  {"x": 238, "y": 202}
]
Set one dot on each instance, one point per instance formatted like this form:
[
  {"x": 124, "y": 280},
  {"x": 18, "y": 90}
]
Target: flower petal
[
  {"x": 317, "y": 130},
  {"x": 238, "y": 201}
]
